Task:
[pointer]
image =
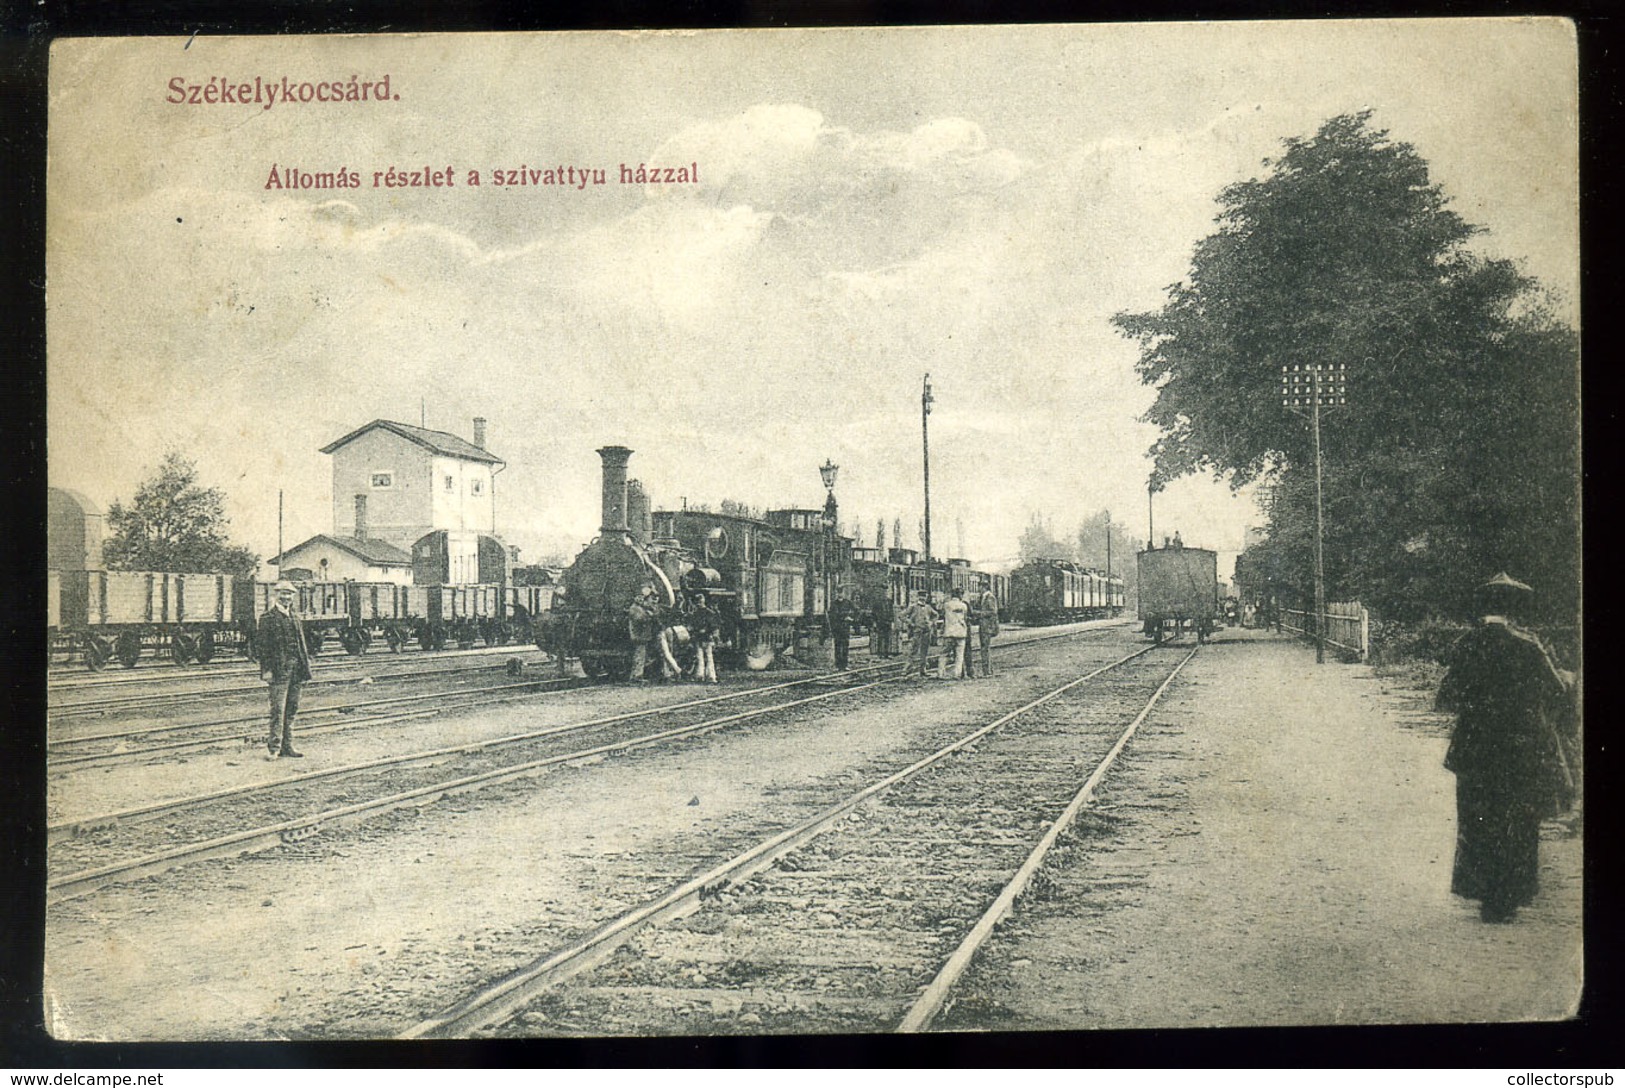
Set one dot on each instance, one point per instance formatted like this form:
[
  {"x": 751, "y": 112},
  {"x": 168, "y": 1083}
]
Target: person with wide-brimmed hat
[
  {"x": 1511, "y": 750},
  {"x": 284, "y": 664}
]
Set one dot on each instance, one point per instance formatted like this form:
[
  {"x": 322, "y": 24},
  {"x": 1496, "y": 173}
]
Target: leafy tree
[
  {"x": 175, "y": 525},
  {"x": 1038, "y": 542},
  {"x": 1457, "y": 454}
]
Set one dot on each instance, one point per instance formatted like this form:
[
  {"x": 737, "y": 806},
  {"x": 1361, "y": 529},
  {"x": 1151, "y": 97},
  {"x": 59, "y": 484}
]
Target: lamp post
[
  {"x": 926, "y": 400},
  {"x": 826, "y": 472},
  {"x": 1305, "y": 389}
]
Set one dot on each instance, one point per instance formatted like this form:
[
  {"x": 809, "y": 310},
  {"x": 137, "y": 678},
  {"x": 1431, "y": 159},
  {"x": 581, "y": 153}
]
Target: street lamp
[
  {"x": 826, "y": 472},
  {"x": 1307, "y": 388}
]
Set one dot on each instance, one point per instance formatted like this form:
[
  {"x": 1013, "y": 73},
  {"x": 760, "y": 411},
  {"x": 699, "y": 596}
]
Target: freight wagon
[{"x": 1179, "y": 589}]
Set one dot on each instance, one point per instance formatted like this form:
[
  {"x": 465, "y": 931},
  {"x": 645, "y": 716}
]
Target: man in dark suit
[{"x": 285, "y": 665}]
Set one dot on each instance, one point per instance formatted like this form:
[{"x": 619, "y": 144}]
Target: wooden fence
[{"x": 1348, "y": 626}]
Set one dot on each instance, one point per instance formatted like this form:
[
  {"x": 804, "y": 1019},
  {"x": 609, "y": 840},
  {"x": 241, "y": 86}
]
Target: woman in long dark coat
[{"x": 1508, "y": 751}]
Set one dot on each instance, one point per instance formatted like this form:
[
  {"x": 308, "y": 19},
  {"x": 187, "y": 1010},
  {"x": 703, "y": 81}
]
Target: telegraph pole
[
  {"x": 1151, "y": 514},
  {"x": 925, "y": 438},
  {"x": 1314, "y": 385},
  {"x": 1108, "y": 544}
]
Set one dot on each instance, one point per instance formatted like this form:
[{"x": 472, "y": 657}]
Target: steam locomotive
[{"x": 770, "y": 579}]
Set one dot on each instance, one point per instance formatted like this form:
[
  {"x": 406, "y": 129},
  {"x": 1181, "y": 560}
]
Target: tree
[
  {"x": 1038, "y": 542},
  {"x": 1457, "y": 454},
  {"x": 174, "y": 525},
  {"x": 880, "y": 534}
]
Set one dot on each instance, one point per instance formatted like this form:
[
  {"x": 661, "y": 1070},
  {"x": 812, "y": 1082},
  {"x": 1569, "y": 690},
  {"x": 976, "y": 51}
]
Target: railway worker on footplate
[
  {"x": 919, "y": 620},
  {"x": 1510, "y": 750},
  {"x": 641, "y": 615},
  {"x": 841, "y": 614},
  {"x": 987, "y": 626},
  {"x": 955, "y": 635},
  {"x": 285, "y": 665}
]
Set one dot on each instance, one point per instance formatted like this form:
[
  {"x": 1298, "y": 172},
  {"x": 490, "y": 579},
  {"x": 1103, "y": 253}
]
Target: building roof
[
  {"x": 438, "y": 441},
  {"x": 377, "y": 552}
]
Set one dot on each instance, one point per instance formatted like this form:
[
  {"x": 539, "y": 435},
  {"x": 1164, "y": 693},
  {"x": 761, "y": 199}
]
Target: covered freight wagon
[{"x": 1179, "y": 589}]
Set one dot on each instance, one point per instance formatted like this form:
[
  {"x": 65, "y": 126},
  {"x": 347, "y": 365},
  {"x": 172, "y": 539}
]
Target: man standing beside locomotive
[
  {"x": 919, "y": 620},
  {"x": 640, "y": 629},
  {"x": 704, "y": 624},
  {"x": 285, "y": 665},
  {"x": 955, "y": 634},
  {"x": 987, "y": 626}
]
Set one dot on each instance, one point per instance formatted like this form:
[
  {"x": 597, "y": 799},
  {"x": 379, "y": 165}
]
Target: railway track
[
  {"x": 860, "y": 917},
  {"x": 208, "y": 682},
  {"x": 143, "y": 742},
  {"x": 91, "y": 852}
]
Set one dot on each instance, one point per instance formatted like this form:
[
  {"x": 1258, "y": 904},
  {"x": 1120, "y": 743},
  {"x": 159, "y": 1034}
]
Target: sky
[{"x": 871, "y": 205}]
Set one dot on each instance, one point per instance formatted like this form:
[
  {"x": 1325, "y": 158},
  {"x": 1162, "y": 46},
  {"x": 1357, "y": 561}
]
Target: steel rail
[
  {"x": 160, "y": 672},
  {"x": 553, "y": 683},
  {"x": 932, "y": 999},
  {"x": 242, "y": 842},
  {"x": 346, "y": 719},
  {"x": 175, "y": 727},
  {"x": 69, "y": 828},
  {"x": 494, "y": 1003},
  {"x": 144, "y": 699}
]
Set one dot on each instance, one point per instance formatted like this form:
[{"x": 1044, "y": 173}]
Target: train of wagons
[
  {"x": 1046, "y": 591},
  {"x": 770, "y": 580},
  {"x": 99, "y": 616}
]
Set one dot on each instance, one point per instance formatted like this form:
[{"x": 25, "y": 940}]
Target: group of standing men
[
  {"x": 919, "y": 621},
  {"x": 697, "y": 627}
]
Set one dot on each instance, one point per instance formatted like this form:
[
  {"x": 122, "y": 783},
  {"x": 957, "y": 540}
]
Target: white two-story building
[{"x": 392, "y": 485}]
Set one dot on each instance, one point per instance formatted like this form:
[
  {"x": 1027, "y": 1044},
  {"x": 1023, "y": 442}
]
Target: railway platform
[{"x": 1275, "y": 849}]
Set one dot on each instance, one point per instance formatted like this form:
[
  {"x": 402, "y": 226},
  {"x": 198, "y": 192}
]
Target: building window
[
  {"x": 383, "y": 481},
  {"x": 476, "y": 487},
  {"x": 451, "y": 483}
]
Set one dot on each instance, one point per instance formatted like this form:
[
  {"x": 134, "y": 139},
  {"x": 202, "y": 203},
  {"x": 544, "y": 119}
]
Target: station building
[{"x": 394, "y": 485}]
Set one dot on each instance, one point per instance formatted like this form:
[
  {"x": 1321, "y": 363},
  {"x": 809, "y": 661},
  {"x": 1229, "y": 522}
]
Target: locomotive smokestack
[
  {"x": 479, "y": 431},
  {"x": 615, "y": 459}
]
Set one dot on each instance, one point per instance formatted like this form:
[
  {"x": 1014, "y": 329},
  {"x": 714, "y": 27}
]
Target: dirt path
[{"x": 1275, "y": 850}]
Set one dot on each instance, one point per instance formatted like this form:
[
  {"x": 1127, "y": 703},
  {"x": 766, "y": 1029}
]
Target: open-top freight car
[
  {"x": 1179, "y": 589},
  {"x": 113, "y": 615}
]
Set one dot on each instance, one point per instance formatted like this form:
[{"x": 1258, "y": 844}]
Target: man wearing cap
[
  {"x": 285, "y": 665},
  {"x": 987, "y": 626},
  {"x": 640, "y": 629},
  {"x": 1510, "y": 750},
  {"x": 919, "y": 620}
]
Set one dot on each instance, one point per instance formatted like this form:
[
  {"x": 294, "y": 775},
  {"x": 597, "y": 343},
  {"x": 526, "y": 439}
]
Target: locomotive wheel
[
  {"x": 314, "y": 637},
  {"x": 182, "y": 648},
  {"x": 127, "y": 647},
  {"x": 97, "y": 651},
  {"x": 354, "y": 641},
  {"x": 395, "y": 637},
  {"x": 205, "y": 647}
]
